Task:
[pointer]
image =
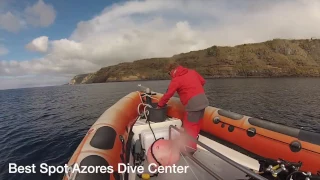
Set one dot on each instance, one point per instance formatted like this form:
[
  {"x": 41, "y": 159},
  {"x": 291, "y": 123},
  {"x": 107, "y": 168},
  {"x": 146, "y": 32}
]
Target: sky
[{"x": 47, "y": 42}]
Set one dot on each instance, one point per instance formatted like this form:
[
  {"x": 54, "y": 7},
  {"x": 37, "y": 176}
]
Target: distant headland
[{"x": 275, "y": 58}]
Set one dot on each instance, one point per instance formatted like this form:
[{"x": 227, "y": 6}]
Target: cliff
[{"x": 275, "y": 58}]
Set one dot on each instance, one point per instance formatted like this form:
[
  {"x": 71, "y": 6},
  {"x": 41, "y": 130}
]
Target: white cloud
[
  {"x": 143, "y": 29},
  {"x": 40, "y": 14},
  {"x": 10, "y": 22},
  {"x": 39, "y": 44},
  {"x": 3, "y": 50}
]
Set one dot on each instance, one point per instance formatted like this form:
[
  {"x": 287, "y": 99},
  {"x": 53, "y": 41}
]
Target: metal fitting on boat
[
  {"x": 308, "y": 174},
  {"x": 275, "y": 173},
  {"x": 295, "y": 146},
  {"x": 269, "y": 168},
  {"x": 295, "y": 168},
  {"x": 216, "y": 120},
  {"x": 283, "y": 167},
  {"x": 251, "y": 132}
]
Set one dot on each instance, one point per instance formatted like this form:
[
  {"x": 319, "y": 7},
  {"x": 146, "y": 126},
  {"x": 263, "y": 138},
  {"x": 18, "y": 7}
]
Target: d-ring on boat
[{"x": 125, "y": 131}]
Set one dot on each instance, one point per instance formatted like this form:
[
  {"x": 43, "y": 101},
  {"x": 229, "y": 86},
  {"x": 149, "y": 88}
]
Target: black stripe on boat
[
  {"x": 274, "y": 127},
  {"x": 231, "y": 115},
  {"x": 104, "y": 138},
  {"x": 96, "y": 161}
]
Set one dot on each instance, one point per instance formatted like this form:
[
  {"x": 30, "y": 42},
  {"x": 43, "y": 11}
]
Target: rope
[
  {"x": 152, "y": 131},
  {"x": 150, "y": 96},
  {"x": 145, "y": 111},
  {"x": 144, "y": 94}
]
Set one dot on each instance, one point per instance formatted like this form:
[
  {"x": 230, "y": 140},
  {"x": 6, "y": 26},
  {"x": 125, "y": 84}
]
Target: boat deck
[{"x": 196, "y": 172}]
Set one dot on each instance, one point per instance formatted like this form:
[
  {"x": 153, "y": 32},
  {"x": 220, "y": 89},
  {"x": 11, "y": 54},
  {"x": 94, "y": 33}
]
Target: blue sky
[
  {"x": 47, "y": 42},
  {"x": 68, "y": 14}
]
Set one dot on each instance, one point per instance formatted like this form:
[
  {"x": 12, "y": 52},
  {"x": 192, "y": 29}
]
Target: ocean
[{"x": 46, "y": 124}]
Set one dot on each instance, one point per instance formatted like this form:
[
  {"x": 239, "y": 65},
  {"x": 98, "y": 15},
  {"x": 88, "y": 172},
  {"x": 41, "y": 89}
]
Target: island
[{"x": 274, "y": 58}]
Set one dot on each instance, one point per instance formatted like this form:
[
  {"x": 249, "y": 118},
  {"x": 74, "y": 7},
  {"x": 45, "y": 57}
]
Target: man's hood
[{"x": 179, "y": 71}]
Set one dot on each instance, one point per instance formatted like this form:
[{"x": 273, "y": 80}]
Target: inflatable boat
[{"x": 116, "y": 145}]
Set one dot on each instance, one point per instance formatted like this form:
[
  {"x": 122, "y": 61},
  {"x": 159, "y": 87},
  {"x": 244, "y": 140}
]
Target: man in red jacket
[{"x": 189, "y": 85}]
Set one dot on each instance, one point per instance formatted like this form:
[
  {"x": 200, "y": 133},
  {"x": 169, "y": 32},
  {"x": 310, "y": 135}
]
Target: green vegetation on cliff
[{"x": 276, "y": 58}]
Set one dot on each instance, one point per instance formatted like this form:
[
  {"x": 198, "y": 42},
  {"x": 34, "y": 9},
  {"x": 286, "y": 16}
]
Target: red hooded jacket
[{"x": 188, "y": 84}]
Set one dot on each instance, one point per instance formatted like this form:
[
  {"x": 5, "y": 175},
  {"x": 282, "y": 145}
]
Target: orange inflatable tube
[
  {"x": 106, "y": 140},
  {"x": 263, "y": 138}
]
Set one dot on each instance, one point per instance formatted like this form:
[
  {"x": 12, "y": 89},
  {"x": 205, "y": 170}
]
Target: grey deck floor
[{"x": 195, "y": 172}]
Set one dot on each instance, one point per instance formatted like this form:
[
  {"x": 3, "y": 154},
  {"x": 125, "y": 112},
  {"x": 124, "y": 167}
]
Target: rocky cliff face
[
  {"x": 78, "y": 79},
  {"x": 276, "y": 58}
]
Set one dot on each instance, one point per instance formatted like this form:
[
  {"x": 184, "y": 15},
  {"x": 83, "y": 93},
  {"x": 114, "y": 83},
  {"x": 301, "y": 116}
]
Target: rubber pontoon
[{"x": 122, "y": 133}]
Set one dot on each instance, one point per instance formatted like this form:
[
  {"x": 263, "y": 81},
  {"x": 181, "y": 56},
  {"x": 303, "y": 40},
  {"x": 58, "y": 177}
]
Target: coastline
[
  {"x": 215, "y": 77},
  {"x": 275, "y": 58}
]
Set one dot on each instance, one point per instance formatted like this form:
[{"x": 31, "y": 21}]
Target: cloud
[
  {"x": 3, "y": 50},
  {"x": 39, "y": 44},
  {"x": 10, "y": 22},
  {"x": 142, "y": 29},
  {"x": 40, "y": 14}
]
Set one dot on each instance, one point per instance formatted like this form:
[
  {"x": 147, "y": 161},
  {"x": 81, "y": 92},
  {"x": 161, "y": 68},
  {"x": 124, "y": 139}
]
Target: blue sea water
[{"x": 45, "y": 125}]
